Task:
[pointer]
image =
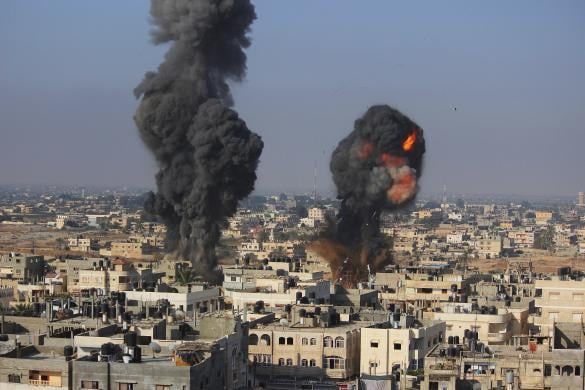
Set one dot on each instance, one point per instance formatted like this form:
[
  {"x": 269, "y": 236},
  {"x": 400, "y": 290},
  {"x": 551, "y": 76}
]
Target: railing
[{"x": 38, "y": 382}]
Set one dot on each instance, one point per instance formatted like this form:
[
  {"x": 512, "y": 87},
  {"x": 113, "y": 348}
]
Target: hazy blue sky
[{"x": 514, "y": 71}]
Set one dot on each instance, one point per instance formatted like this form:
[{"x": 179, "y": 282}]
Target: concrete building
[
  {"x": 558, "y": 301},
  {"x": 120, "y": 276},
  {"x": 494, "y": 325},
  {"x": 489, "y": 248},
  {"x": 401, "y": 343},
  {"x": 194, "y": 301},
  {"x": 131, "y": 250},
  {"x": 22, "y": 267},
  {"x": 33, "y": 367},
  {"x": 309, "y": 346},
  {"x": 314, "y": 291},
  {"x": 453, "y": 367}
]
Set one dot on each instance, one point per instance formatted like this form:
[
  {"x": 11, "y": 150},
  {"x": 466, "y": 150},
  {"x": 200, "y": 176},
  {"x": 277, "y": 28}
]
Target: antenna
[
  {"x": 315, "y": 182},
  {"x": 444, "y": 193}
]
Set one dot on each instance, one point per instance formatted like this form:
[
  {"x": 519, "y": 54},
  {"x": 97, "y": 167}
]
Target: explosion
[
  {"x": 206, "y": 154},
  {"x": 375, "y": 168}
]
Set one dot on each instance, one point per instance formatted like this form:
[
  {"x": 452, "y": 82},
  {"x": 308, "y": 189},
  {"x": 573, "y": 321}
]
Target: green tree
[{"x": 186, "y": 276}]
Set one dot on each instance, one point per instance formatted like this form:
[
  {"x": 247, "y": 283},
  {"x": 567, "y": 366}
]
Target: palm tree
[{"x": 186, "y": 276}]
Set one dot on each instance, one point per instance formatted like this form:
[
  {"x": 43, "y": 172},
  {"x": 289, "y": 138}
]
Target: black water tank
[
  {"x": 453, "y": 288},
  {"x": 137, "y": 355},
  {"x": 493, "y": 310},
  {"x": 287, "y": 308},
  {"x": 302, "y": 313},
  {"x": 450, "y": 340},
  {"x": 456, "y": 340},
  {"x": 3, "y": 337},
  {"x": 317, "y": 311},
  {"x": 107, "y": 349},
  {"x": 299, "y": 295},
  {"x": 130, "y": 339},
  {"x": 68, "y": 352}
]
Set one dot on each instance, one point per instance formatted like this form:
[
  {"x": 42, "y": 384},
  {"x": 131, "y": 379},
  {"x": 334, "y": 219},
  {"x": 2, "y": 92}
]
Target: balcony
[{"x": 497, "y": 337}]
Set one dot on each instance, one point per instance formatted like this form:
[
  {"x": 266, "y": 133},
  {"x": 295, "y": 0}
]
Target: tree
[
  {"x": 545, "y": 239},
  {"x": 61, "y": 243},
  {"x": 186, "y": 276}
]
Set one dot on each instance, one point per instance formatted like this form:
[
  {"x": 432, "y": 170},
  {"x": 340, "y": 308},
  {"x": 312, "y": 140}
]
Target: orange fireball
[{"x": 409, "y": 142}]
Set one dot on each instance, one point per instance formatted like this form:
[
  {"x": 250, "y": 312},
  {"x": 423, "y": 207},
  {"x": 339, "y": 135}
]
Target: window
[
  {"x": 374, "y": 343},
  {"x": 289, "y": 341},
  {"x": 312, "y": 363},
  {"x": 162, "y": 387},
  {"x": 125, "y": 386},
  {"x": 339, "y": 342},
  {"x": 328, "y": 342},
  {"x": 262, "y": 360},
  {"x": 305, "y": 341},
  {"x": 289, "y": 362},
  {"x": 90, "y": 385},
  {"x": 334, "y": 362},
  {"x": 313, "y": 341},
  {"x": 13, "y": 378},
  {"x": 397, "y": 346},
  {"x": 304, "y": 363},
  {"x": 567, "y": 371},
  {"x": 554, "y": 296},
  {"x": 281, "y": 341},
  {"x": 253, "y": 339},
  {"x": 281, "y": 362},
  {"x": 553, "y": 316},
  {"x": 265, "y": 339},
  {"x": 233, "y": 279},
  {"x": 577, "y": 370}
]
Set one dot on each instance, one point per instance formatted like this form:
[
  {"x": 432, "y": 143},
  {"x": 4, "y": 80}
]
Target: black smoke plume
[
  {"x": 375, "y": 168},
  {"x": 207, "y": 156}
]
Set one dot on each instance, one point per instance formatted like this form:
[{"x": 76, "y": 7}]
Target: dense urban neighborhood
[{"x": 476, "y": 294}]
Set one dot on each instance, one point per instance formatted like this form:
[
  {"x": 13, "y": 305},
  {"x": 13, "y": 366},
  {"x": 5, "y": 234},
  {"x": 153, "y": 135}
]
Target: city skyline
[{"x": 500, "y": 105}]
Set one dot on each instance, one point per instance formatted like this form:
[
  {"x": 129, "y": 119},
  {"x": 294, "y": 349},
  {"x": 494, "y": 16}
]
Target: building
[
  {"x": 543, "y": 217},
  {"x": 494, "y": 325},
  {"x": 310, "y": 345},
  {"x": 473, "y": 366},
  {"x": 131, "y": 250},
  {"x": 119, "y": 276},
  {"x": 489, "y": 248},
  {"x": 401, "y": 343},
  {"x": 201, "y": 299},
  {"x": 581, "y": 199},
  {"x": 558, "y": 301},
  {"x": 22, "y": 267},
  {"x": 33, "y": 367}
]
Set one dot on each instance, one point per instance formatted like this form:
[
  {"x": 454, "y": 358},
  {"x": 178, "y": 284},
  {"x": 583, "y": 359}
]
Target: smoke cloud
[
  {"x": 375, "y": 168},
  {"x": 206, "y": 154}
]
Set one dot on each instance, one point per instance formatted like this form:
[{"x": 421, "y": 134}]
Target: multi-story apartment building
[
  {"x": 401, "y": 343},
  {"x": 558, "y": 301},
  {"x": 311, "y": 345},
  {"x": 22, "y": 267}
]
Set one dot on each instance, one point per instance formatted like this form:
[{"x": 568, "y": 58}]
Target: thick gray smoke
[
  {"x": 375, "y": 168},
  {"x": 207, "y": 156}
]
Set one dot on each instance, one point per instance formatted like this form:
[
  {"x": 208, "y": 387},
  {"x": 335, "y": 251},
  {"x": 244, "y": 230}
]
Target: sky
[{"x": 498, "y": 87}]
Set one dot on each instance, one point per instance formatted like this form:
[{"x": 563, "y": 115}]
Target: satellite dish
[{"x": 155, "y": 347}]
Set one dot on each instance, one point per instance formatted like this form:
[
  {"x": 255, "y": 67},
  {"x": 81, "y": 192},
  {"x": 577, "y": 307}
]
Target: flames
[{"x": 409, "y": 142}]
